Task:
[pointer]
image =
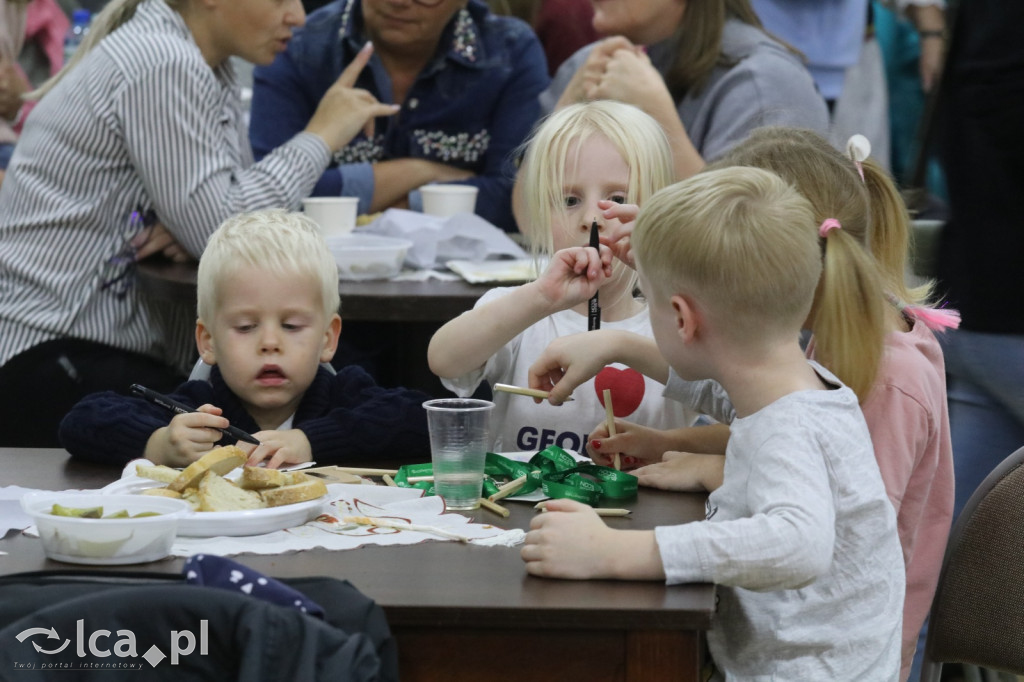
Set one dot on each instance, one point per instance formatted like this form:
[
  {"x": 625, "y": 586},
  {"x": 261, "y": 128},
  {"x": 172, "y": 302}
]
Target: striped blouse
[{"x": 143, "y": 129}]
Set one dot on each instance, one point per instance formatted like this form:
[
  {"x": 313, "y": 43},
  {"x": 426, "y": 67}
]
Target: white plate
[{"x": 230, "y": 523}]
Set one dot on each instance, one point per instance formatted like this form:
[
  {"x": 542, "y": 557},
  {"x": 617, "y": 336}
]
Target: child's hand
[
  {"x": 638, "y": 445},
  {"x": 567, "y": 541},
  {"x": 278, "y": 448},
  {"x": 571, "y": 541},
  {"x": 574, "y": 275},
  {"x": 567, "y": 362},
  {"x": 186, "y": 438},
  {"x": 619, "y": 228},
  {"x": 683, "y": 471}
]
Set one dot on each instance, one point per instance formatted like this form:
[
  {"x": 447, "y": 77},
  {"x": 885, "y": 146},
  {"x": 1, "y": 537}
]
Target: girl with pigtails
[{"x": 868, "y": 327}]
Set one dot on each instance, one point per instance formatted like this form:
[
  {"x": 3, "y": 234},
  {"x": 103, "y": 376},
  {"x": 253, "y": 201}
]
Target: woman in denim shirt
[{"x": 467, "y": 82}]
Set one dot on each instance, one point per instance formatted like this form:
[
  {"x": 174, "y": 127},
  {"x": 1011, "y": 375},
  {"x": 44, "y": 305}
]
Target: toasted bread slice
[
  {"x": 306, "y": 488},
  {"x": 218, "y": 494},
  {"x": 162, "y": 492},
  {"x": 156, "y": 472},
  {"x": 219, "y": 460},
  {"x": 259, "y": 478}
]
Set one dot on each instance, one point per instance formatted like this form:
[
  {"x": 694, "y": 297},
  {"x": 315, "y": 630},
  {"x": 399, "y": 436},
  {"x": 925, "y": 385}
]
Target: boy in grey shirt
[{"x": 800, "y": 536}]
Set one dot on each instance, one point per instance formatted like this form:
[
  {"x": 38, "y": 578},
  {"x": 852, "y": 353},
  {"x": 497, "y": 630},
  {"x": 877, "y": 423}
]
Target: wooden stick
[
  {"x": 496, "y": 508},
  {"x": 417, "y": 479},
  {"x": 401, "y": 525},
  {"x": 601, "y": 511},
  {"x": 358, "y": 471},
  {"x": 609, "y": 415},
  {"x": 509, "y": 488},
  {"x": 389, "y": 481},
  {"x": 519, "y": 390}
]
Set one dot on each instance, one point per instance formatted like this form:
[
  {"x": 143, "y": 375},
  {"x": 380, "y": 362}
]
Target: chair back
[{"x": 977, "y": 615}]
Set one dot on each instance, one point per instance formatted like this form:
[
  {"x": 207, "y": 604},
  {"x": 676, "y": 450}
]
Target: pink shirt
[{"x": 909, "y": 424}]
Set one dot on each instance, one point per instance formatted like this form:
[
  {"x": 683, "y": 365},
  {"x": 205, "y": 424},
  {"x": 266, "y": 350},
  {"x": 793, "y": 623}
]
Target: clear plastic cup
[{"x": 459, "y": 437}]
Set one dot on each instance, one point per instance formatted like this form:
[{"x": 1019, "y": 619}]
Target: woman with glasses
[
  {"x": 704, "y": 69},
  {"x": 139, "y": 146},
  {"x": 467, "y": 82}
]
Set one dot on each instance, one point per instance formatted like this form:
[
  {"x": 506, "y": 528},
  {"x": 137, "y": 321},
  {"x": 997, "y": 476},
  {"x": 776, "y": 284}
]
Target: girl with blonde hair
[
  {"x": 138, "y": 146},
  {"x": 579, "y": 156}
]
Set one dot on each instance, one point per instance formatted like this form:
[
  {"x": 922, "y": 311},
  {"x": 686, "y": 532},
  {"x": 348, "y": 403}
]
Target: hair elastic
[
  {"x": 858, "y": 148},
  {"x": 827, "y": 226},
  {"x": 936, "y": 319}
]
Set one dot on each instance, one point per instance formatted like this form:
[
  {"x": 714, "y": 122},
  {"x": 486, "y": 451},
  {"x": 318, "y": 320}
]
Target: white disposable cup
[
  {"x": 459, "y": 436},
  {"x": 334, "y": 215},
  {"x": 447, "y": 200}
]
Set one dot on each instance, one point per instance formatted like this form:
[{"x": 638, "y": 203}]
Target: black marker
[
  {"x": 594, "y": 310},
  {"x": 181, "y": 408}
]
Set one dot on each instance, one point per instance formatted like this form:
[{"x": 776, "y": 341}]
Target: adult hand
[
  {"x": 574, "y": 275},
  {"x": 187, "y": 437},
  {"x": 157, "y": 239},
  {"x": 12, "y": 87},
  {"x": 683, "y": 471},
  {"x": 344, "y": 111},
  {"x": 590, "y": 73},
  {"x": 620, "y": 220},
  {"x": 630, "y": 77},
  {"x": 279, "y": 448},
  {"x": 930, "y": 62}
]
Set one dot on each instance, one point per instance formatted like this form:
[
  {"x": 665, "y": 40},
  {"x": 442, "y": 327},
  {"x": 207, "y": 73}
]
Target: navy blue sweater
[{"x": 346, "y": 417}]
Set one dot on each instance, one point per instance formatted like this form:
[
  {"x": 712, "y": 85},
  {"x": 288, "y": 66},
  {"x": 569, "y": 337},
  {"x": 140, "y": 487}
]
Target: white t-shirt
[
  {"x": 800, "y": 538},
  {"x": 520, "y": 424}
]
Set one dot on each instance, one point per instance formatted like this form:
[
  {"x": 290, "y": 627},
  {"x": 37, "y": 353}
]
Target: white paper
[{"x": 463, "y": 236}]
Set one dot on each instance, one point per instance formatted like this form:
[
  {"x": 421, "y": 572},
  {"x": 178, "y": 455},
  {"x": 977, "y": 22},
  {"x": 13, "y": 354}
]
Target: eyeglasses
[{"x": 118, "y": 272}]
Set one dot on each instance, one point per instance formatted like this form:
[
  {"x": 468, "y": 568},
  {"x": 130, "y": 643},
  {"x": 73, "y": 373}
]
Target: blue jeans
[
  {"x": 985, "y": 390},
  {"x": 986, "y": 404}
]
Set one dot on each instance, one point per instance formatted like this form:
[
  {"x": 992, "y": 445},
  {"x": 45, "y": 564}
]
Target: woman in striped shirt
[{"x": 138, "y": 146}]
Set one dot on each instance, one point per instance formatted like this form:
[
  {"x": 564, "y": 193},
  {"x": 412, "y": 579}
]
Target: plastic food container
[
  {"x": 102, "y": 541},
  {"x": 368, "y": 256}
]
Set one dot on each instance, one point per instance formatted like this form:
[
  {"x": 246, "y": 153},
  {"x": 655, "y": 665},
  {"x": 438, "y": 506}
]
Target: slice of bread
[
  {"x": 219, "y": 494},
  {"x": 304, "y": 489},
  {"x": 162, "y": 492},
  {"x": 156, "y": 472},
  {"x": 219, "y": 461},
  {"x": 260, "y": 478}
]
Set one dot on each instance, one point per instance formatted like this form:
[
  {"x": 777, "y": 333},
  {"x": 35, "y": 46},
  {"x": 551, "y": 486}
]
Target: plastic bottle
[{"x": 80, "y": 19}]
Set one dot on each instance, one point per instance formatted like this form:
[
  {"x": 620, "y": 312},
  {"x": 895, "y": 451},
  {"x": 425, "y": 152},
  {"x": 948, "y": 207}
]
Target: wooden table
[
  {"x": 463, "y": 612},
  {"x": 374, "y": 300}
]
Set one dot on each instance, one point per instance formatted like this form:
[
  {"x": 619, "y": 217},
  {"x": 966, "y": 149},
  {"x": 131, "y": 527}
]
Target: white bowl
[
  {"x": 105, "y": 541},
  {"x": 368, "y": 256}
]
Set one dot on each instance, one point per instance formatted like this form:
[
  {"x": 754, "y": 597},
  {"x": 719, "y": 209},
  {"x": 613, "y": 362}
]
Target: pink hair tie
[{"x": 827, "y": 226}]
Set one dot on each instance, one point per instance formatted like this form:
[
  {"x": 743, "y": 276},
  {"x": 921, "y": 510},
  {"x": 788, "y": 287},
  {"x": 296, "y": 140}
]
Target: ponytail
[
  {"x": 889, "y": 240},
  {"x": 110, "y": 18},
  {"x": 849, "y": 322}
]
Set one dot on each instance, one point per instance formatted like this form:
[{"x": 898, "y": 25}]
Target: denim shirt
[{"x": 471, "y": 106}]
